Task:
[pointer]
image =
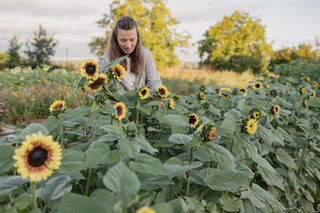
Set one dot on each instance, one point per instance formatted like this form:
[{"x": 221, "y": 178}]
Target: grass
[{"x": 183, "y": 81}]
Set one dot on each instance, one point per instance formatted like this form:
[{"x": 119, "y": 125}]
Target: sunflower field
[
  {"x": 248, "y": 149},
  {"x": 26, "y": 93}
]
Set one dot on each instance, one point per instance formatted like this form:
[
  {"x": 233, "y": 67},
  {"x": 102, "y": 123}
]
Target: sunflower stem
[
  {"x": 301, "y": 162},
  {"x": 188, "y": 174},
  {"x": 93, "y": 128},
  {"x": 34, "y": 195},
  {"x": 137, "y": 121},
  {"x": 115, "y": 82},
  {"x": 61, "y": 132},
  {"x": 88, "y": 182}
]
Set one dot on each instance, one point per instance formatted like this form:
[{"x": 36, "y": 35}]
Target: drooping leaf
[
  {"x": 285, "y": 158},
  {"x": 9, "y": 183},
  {"x": 54, "y": 188},
  {"x": 121, "y": 180},
  {"x": 176, "y": 168},
  {"x": 175, "y": 120},
  {"x": 216, "y": 153},
  {"x": 33, "y": 128},
  {"x": 75, "y": 203},
  {"x": 97, "y": 154},
  {"x": 130, "y": 147},
  {"x": 179, "y": 139},
  {"x": 73, "y": 160},
  {"x": 6, "y": 161},
  {"x": 145, "y": 163}
]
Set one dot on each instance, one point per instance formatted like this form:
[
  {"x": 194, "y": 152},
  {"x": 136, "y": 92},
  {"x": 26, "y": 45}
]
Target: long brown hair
[{"x": 137, "y": 57}]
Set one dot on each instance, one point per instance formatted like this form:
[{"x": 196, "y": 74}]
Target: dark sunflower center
[
  {"x": 143, "y": 92},
  {"x": 119, "y": 110},
  {"x": 192, "y": 120},
  {"x": 117, "y": 72},
  {"x": 257, "y": 85},
  {"x": 58, "y": 106},
  {"x": 242, "y": 90},
  {"x": 162, "y": 91},
  {"x": 37, "y": 157},
  {"x": 90, "y": 69},
  {"x": 97, "y": 83}
]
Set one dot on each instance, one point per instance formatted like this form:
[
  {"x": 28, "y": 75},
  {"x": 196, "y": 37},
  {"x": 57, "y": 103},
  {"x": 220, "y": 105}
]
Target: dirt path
[{"x": 4, "y": 131}]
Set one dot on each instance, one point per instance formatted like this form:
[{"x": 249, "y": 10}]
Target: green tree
[
  {"x": 41, "y": 48},
  {"x": 236, "y": 43},
  {"x": 288, "y": 54},
  {"x": 157, "y": 28},
  {"x": 13, "y": 52}
]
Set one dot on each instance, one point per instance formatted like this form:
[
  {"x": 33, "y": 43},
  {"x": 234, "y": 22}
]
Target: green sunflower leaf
[
  {"x": 6, "y": 161},
  {"x": 33, "y": 128},
  {"x": 285, "y": 158},
  {"x": 54, "y": 188},
  {"x": 121, "y": 180},
  {"x": 83, "y": 204},
  {"x": 145, "y": 163}
]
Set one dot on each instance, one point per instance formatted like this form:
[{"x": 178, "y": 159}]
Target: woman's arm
[{"x": 153, "y": 79}]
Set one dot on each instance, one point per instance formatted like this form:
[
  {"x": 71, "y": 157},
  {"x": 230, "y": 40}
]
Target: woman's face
[{"x": 127, "y": 40}]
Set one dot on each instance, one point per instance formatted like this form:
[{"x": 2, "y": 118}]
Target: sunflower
[
  {"x": 202, "y": 88},
  {"x": 303, "y": 90},
  {"x": 201, "y": 96},
  {"x": 89, "y": 68},
  {"x": 144, "y": 93},
  {"x": 171, "y": 104},
  {"x": 37, "y": 157},
  {"x": 46, "y": 67},
  {"x": 244, "y": 90},
  {"x": 162, "y": 91},
  {"x": 257, "y": 85},
  {"x": 57, "y": 107},
  {"x": 314, "y": 83},
  {"x": 273, "y": 93},
  {"x": 305, "y": 103},
  {"x": 251, "y": 126},
  {"x": 118, "y": 71},
  {"x": 312, "y": 95},
  {"x": 97, "y": 82},
  {"x": 176, "y": 97},
  {"x": 223, "y": 94},
  {"x": 193, "y": 120},
  {"x": 275, "y": 109},
  {"x": 121, "y": 111},
  {"x": 256, "y": 115},
  {"x": 308, "y": 79},
  {"x": 145, "y": 209},
  {"x": 212, "y": 133}
]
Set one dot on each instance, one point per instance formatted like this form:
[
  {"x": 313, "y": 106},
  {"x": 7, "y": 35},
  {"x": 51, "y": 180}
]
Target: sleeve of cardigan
[
  {"x": 103, "y": 61},
  {"x": 153, "y": 79}
]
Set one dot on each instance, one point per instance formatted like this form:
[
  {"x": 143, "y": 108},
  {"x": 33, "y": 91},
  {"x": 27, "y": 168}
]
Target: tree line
[{"x": 236, "y": 43}]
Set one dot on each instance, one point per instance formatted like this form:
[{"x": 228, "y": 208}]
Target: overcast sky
[{"x": 73, "y": 22}]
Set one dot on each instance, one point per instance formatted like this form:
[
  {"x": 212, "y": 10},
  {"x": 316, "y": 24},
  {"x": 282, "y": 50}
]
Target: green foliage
[
  {"x": 286, "y": 55},
  {"x": 154, "y": 157},
  {"x": 13, "y": 52},
  {"x": 41, "y": 48},
  {"x": 156, "y": 26},
  {"x": 236, "y": 43},
  {"x": 4, "y": 57},
  {"x": 26, "y": 94}
]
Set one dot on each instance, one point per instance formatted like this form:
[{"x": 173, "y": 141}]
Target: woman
[{"x": 140, "y": 66}]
